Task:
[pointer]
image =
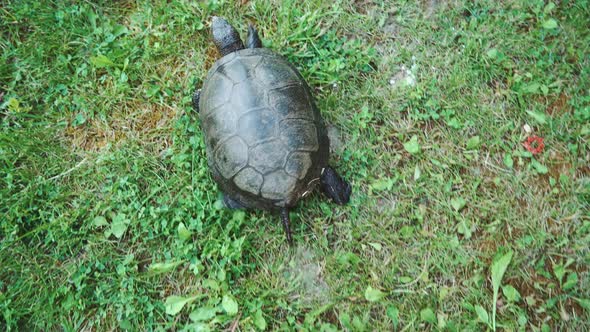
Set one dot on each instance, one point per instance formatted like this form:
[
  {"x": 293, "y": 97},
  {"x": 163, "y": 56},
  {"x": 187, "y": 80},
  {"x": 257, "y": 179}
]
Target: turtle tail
[{"x": 286, "y": 224}]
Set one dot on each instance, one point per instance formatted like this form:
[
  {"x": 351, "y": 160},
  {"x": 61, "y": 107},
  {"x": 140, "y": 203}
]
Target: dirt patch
[
  {"x": 431, "y": 7},
  {"x": 583, "y": 171},
  {"x": 404, "y": 77},
  {"x": 146, "y": 123},
  {"x": 559, "y": 105},
  {"x": 336, "y": 144},
  {"x": 385, "y": 205},
  {"x": 535, "y": 290},
  {"x": 211, "y": 55},
  {"x": 559, "y": 164},
  {"x": 361, "y": 6},
  {"x": 305, "y": 272}
]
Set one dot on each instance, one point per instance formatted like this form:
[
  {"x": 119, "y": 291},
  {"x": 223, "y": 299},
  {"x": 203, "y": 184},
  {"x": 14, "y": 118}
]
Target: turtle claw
[
  {"x": 196, "y": 98},
  {"x": 253, "y": 41}
]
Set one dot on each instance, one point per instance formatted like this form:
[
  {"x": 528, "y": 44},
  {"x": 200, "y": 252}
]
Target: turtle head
[{"x": 225, "y": 37}]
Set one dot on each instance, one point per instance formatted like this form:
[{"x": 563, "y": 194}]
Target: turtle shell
[{"x": 266, "y": 141}]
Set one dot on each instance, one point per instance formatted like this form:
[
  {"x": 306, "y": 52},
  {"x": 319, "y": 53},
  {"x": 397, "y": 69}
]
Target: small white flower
[{"x": 527, "y": 128}]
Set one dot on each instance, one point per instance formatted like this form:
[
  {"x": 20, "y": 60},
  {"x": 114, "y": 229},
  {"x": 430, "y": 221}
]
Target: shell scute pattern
[
  {"x": 300, "y": 134},
  {"x": 298, "y": 163},
  {"x": 250, "y": 62},
  {"x": 231, "y": 156},
  {"x": 247, "y": 95},
  {"x": 278, "y": 185},
  {"x": 261, "y": 128},
  {"x": 273, "y": 73},
  {"x": 249, "y": 180},
  {"x": 291, "y": 102},
  {"x": 217, "y": 93},
  {"x": 220, "y": 63},
  {"x": 216, "y": 130},
  {"x": 259, "y": 124},
  {"x": 268, "y": 156}
]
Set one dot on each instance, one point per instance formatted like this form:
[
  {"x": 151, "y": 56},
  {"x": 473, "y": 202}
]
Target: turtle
[{"x": 265, "y": 139}]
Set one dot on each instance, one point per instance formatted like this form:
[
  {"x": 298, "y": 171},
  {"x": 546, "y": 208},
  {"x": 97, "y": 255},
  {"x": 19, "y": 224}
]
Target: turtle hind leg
[
  {"x": 253, "y": 41},
  {"x": 334, "y": 186},
  {"x": 232, "y": 203},
  {"x": 287, "y": 225},
  {"x": 196, "y": 98}
]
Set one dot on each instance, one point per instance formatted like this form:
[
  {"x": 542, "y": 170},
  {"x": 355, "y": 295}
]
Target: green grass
[{"x": 110, "y": 219}]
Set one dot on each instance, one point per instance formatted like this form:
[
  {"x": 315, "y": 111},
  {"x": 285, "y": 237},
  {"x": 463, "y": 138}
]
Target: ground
[{"x": 110, "y": 218}]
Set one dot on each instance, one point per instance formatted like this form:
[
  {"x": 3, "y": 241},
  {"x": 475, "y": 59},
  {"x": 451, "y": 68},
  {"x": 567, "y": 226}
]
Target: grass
[{"x": 110, "y": 219}]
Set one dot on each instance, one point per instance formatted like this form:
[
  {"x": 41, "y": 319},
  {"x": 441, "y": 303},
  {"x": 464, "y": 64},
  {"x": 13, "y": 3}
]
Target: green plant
[{"x": 110, "y": 215}]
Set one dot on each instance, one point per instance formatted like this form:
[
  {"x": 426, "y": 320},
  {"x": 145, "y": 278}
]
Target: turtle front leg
[
  {"x": 196, "y": 98},
  {"x": 253, "y": 41},
  {"x": 334, "y": 186},
  {"x": 232, "y": 203}
]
